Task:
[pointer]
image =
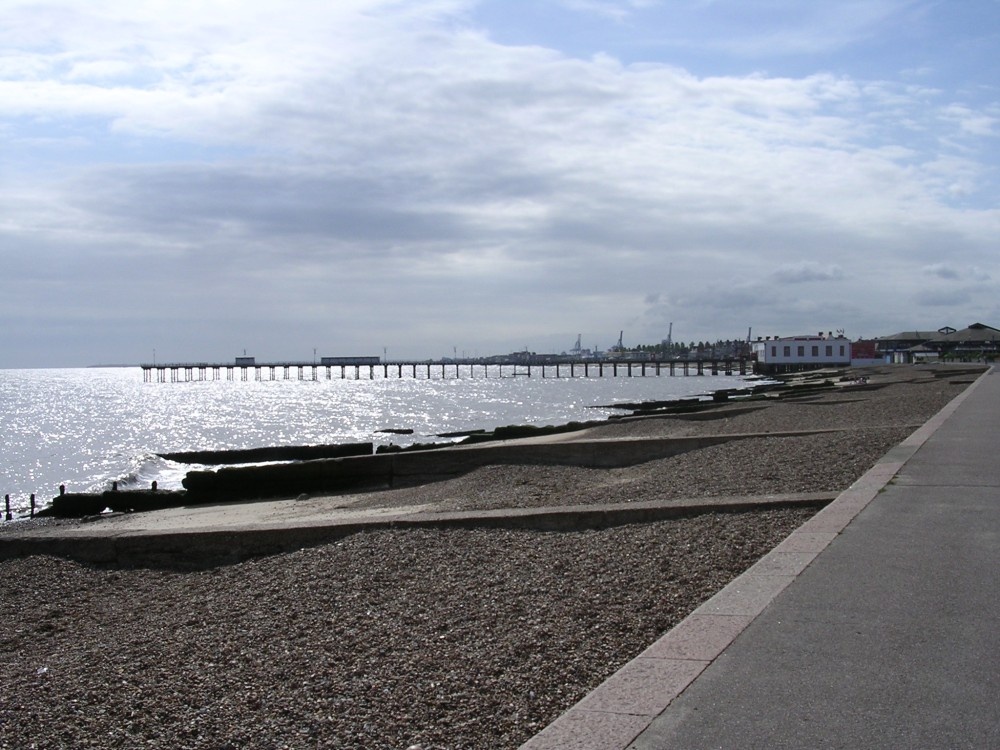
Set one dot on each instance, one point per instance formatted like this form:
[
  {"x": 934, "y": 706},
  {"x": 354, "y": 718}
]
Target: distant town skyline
[
  {"x": 726, "y": 346},
  {"x": 419, "y": 177}
]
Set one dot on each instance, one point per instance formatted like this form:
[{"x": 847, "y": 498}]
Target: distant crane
[{"x": 619, "y": 347}]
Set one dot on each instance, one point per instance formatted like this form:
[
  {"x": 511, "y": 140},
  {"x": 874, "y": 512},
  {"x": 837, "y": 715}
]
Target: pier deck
[{"x": 364, "y": 369}]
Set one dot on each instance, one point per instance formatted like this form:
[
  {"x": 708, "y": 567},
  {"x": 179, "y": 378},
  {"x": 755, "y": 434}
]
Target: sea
[{"x": 88, "y": 427}]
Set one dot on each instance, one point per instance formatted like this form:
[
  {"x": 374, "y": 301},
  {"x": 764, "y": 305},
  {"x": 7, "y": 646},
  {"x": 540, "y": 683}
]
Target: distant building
[
  {"x": 978, "y": 341},
  {"x": 793, "y": 353},
  {"x": 907, "y": 347},
  {"x": 864, "y": 353}
]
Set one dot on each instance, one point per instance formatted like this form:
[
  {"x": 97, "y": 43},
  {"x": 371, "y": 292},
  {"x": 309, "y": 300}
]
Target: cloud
[
  {"x": 950, "y": 272},
  {"x": 942, "y": 270},
  {"x": 807, "y": 271},
  {"x": 386, "y": 170},
  {"x": 943, "y": 298},
  {"x": 616, "y": 10},
  {"x": 971, "y": 121}
]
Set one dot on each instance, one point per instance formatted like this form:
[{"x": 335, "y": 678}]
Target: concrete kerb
[{"x": 606, "y": 720}]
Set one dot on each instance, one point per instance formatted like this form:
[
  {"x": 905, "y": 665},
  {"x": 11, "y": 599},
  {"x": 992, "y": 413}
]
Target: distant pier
[{"x": 368, "y": 368}]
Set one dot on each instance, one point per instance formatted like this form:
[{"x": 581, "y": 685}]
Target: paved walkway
[{"x": 875, "y": 625}]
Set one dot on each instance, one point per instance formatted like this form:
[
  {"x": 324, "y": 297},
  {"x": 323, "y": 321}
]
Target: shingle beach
[{"x": 427, "y": 638}]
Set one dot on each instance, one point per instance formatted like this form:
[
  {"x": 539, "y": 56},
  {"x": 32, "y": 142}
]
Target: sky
[{"x": 412, "y": 179}]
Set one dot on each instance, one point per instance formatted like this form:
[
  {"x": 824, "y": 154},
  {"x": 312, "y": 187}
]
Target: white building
[{"x": 793, "y": 353}]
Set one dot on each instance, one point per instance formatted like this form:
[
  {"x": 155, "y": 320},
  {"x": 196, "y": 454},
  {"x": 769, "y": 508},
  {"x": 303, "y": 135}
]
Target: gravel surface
[
  {"x": 442, "y": 639},
  {"x": 447, "y": 638}
]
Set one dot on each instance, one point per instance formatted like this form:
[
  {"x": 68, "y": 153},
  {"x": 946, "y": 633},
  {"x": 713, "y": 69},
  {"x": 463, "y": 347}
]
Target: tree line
[{"x": 719, "y": 349}]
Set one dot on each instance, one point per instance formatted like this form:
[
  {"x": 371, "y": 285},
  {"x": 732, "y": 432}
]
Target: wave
[{"x": 146, "y": 468}]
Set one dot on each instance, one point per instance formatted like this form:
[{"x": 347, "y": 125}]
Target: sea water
[{"x": 86, "y": 428}]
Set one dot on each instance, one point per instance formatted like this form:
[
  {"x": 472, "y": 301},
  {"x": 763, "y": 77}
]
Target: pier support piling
[{"x": 520, "y": 367}]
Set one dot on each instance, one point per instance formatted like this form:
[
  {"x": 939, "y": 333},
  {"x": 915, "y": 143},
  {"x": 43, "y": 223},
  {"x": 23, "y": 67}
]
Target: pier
[{"x": 368, "y": 368}]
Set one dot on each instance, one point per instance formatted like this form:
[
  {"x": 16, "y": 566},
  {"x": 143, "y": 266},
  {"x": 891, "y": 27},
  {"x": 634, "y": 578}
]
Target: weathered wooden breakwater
[{"x": 365, "y": 368}]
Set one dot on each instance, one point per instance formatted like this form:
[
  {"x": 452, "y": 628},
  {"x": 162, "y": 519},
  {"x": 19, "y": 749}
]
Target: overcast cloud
[{"x": 420, "y": 177}]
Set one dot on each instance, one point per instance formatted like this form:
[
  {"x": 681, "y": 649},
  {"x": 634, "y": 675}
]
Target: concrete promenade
[{"x": 875, "y": 625}]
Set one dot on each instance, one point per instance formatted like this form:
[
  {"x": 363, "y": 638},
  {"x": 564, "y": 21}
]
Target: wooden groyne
[{"x": 365, "y": 369}]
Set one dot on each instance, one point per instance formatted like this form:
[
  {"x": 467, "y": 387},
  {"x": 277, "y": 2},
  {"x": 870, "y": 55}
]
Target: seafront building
[
  {"x": 776, "y": 354},
  {"x": 791, "y": 353},
  {"x": 977, "y": 341}
]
